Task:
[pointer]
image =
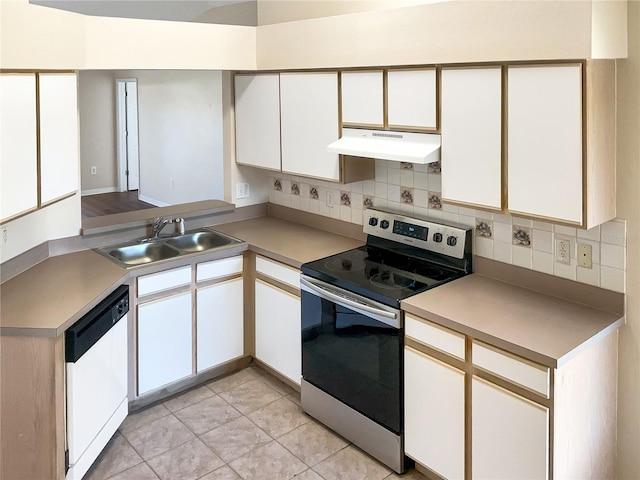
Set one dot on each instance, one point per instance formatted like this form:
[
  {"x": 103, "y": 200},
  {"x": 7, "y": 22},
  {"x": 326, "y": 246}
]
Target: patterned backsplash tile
[{"x": 416, "y": 189}]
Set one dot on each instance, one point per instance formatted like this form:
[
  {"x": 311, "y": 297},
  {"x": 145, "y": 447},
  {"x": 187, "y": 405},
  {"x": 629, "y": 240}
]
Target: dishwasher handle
[{"x": 87, "y": 331}]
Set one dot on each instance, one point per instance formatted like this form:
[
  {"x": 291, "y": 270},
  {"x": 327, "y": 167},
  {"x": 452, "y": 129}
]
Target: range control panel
[{"x": 441, "y": 238}]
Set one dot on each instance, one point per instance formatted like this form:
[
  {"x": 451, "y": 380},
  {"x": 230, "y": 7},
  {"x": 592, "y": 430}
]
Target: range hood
[{"x": 399, "y": 146}]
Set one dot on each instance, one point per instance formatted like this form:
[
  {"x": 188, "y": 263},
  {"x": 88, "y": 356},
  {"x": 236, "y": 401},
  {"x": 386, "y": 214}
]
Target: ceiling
[
  {"x": 229, "y": 12},
  {"x": 177, "y": 10}
]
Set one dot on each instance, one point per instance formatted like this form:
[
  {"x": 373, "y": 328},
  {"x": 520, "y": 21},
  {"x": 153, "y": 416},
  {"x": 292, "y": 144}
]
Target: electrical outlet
[
  {"x": 584, "y": 255},
  {"x": 563, "y": 251},
  {"x": 94, "y": 170},
  {"x": 5, "y": 235},
  {"x": 330, "y": 199},
  {"x": 243, "y": 190}
]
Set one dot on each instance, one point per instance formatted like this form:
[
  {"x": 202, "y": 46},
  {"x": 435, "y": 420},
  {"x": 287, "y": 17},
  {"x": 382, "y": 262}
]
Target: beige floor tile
[
  {"x": 139, "y": 472},
  {"x": 410, "y": 475},
  {"x": 235, "y": 438},
  {"x": 351, "y": 464},
  {"x": 231, "y": 381},
  {"x": 207, "y": 414},
  {"x": 279, "y": 386},
  {"x": 189, "y": 461},
  {"x": 188, "y": 398},
  {"x": 116, "y": 457},
  {"x": 279, "y": 417},
  {"x": 143, "y": 417},
  {"x": 307, "y": 475},
  {"x": 223, "y": 473},
  {"x": 295, "y": 398},
  {"x": 269, "y": 462},
  {"x": 159, "y": 436},
  {"x": 250, "y": 396},
  {"x": 312, "y": 443}
]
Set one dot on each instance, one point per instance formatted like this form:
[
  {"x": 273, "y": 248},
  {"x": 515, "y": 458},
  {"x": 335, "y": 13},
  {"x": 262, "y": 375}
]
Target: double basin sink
[{"x": 166, "y": 248}]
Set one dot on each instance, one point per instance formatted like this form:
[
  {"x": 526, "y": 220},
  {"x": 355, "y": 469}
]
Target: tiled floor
[{"x": 245, "y": 426}]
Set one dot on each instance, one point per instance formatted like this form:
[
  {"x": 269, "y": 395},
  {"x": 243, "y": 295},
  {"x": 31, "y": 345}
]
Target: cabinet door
[
  {"x": 164, "y": 341},
  {"x": 278, "y": 330},
  {"x": 545, "y": 141},
  {"x": 309, "y": 122},
  {"x": 18, "y": 150},
  {"x": 411, "y": 99},
  {"x": 59, "y": 167},
  {"x": 220, "y": 323},
  {"x": 257, "y": 109},
  {"x": 510, "y": 435},
  {"x": 434, "y": 414},
  {"x": 472, "y": 136},
  {"x": 362, "y": 98}
]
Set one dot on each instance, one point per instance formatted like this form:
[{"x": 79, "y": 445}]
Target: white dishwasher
[{"x": 96, "y": 370}]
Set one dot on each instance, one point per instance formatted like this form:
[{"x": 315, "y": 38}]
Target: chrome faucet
[{"x": 159, "y": 223}]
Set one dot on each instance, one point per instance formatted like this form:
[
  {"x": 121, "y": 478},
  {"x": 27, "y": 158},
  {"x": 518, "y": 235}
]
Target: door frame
[{"x": 121, "y": 123}]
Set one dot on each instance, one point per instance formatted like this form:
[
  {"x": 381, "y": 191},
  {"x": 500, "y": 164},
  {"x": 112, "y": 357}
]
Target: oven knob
[
  {"x": 384, "y": 224},
  {"x": 452, "y": 241},
  {"x": 373, "y": 221},
  {"x": 437, "y": 237}
]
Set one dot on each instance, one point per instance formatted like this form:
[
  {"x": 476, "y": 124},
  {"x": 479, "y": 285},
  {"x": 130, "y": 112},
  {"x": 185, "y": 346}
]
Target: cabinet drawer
[
  {"x": 219, "y": 268},
  {"x": 527, "y": 374},
  {"x": 278, "y": 271},
  {"x": 166, "y": 280},
  {"x": 435, "y": 336}
]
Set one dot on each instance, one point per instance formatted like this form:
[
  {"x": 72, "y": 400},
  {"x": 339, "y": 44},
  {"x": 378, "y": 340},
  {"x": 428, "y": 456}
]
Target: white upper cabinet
[
  {"x": 59, "y": 157},
  {"x": 471, "y": 126},
  {"x": 257, "y": 111},
  {"x": 411, "y": 99},
  {"x": 544, "y": 115},
  {"x": 309, "y": 122},
  {"x": 18, "y": 145},
  {"x": 362, "y": 98}
]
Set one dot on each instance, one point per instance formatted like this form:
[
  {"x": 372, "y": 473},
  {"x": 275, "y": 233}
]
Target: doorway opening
[{"x": 127, "y": 134}]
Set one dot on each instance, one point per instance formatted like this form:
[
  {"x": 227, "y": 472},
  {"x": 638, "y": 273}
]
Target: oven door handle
[{"x": 388, "y": 317}]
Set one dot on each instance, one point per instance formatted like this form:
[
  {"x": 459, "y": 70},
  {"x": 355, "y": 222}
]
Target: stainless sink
[
  {"x": 199, "y": 241},
  {"x": 166, "y": 248},
  {"x": 143, "y": 253}
]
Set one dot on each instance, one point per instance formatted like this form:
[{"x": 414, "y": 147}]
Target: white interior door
[
  {"x": 128, "y": 152},
  {"x": 133, "y": 177}
]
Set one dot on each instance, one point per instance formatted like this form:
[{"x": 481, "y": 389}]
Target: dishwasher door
[{"x": 96, "y": 381}]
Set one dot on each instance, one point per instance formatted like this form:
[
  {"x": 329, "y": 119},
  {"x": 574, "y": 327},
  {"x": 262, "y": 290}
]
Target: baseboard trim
[
  {"x": 153, "y": 201},
  {"x": 98, "y": 191}
]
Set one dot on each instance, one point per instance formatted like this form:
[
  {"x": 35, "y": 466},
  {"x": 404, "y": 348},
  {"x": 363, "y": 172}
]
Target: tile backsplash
[{"x": 415, "y": 189}]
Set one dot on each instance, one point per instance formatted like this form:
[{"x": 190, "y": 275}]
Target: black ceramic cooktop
[{"x": 379, "y": 274}]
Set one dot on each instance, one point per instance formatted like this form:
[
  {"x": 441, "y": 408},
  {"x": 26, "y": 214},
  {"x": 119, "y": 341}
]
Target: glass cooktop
[{"x": 379, "y": 274}]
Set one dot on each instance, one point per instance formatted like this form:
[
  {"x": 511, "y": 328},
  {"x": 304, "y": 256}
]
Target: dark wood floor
[{"x": 108, "y": 203}]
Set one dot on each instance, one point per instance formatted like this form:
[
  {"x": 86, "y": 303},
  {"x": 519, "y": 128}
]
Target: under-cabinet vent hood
[{"x": 398, "y": 146}]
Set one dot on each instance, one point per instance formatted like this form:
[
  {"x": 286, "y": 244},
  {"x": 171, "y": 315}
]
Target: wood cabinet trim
[
  {"x": 439, "y": 355},
  {"x": 261, "y": 277}
]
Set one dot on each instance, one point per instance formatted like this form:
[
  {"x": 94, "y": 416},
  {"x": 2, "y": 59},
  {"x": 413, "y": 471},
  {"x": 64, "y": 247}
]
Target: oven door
[{"x": 352, "y": 350}]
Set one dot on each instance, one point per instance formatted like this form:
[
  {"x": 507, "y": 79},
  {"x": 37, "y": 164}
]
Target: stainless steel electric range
[{"x": 353, "y": 328}]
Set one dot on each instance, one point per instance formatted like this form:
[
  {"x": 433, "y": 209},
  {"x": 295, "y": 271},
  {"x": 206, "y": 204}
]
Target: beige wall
[
  {"x": 628, "y": 174},
  {"x": 449, "y": 32},
  {"x": 98, "y": 143},
  {"x": 33, "y": 36},
  {"x": 180, "y": 135},
  {"x": 58, "y": 220}
]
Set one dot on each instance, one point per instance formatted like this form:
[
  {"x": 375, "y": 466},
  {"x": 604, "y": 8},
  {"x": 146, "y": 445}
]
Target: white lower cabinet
[
  {"x": 277, "y": 319},
  {"x": 434, "y": 414},
  {"x": 510, "y": 435},
  {"x": 165, "y": 352},
  {"x": 220, "y": 324}
]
